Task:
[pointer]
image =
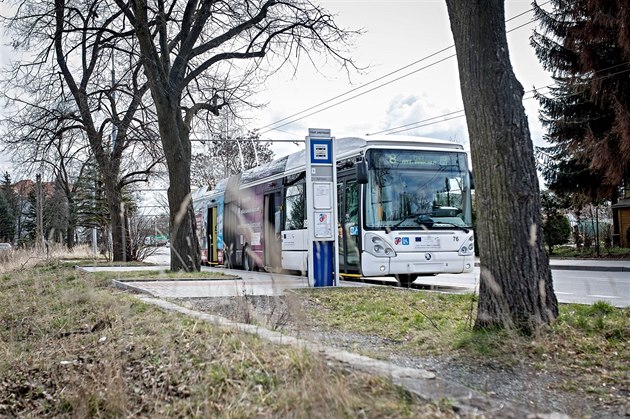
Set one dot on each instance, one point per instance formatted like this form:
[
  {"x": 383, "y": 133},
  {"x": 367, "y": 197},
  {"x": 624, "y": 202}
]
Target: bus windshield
[{"x": 417, "y": 189}]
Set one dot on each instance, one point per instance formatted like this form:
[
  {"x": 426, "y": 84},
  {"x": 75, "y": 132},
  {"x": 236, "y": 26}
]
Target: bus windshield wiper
[{"x": 420, "y": 215}]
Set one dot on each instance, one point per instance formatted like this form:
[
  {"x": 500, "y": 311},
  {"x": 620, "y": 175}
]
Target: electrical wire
[
  {"x": 271, "y": 125},
  {"x": 425, "y": 122}
]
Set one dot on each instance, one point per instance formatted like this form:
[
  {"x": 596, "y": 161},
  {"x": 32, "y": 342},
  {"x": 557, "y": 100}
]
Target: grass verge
[
  {"x": 157, "y": 275},
  {"x": 571, "y": 252},
  {"x": 584, "y": 354},
  {"x": 72, "y": 346}
]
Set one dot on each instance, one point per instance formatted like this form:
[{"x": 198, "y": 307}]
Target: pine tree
[
  {"x": 8, "y": 209},
  {"x": 90, "y": 201},
  {"x": 7, "y": 221},
  {"x": 586, "y": 45}
]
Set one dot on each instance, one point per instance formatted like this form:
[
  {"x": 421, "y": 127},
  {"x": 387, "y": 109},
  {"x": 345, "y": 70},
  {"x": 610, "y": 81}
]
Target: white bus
[{"x": 404, "y": 210}]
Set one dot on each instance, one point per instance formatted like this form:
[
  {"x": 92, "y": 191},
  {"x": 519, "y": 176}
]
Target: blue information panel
[{"x": 321, "y": 151}]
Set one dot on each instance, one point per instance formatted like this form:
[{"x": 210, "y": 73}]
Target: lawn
[
  {"x": 74, "y": 346},
  {"x": 584, "y": 353}
]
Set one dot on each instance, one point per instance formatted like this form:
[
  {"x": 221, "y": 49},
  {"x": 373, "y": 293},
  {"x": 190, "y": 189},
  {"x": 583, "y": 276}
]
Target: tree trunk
[
  {"x": 114, "y": 199},
  {"x": 516, "y": 289},
  {"x": 72, "y": 222},
  {"x": 185, "y": 253}
]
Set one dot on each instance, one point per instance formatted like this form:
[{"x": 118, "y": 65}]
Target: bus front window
[{"x": 417, "y": 189}]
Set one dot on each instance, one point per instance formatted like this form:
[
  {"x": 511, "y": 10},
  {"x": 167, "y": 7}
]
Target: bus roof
[{"x": 344, "y": 148}]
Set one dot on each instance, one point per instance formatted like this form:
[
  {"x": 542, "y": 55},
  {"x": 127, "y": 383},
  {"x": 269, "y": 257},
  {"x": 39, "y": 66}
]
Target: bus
[{"x": 404, "y": 209}]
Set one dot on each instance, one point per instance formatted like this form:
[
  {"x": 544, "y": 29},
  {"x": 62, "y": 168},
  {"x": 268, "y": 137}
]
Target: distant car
[{"x": 5, "y": 251}]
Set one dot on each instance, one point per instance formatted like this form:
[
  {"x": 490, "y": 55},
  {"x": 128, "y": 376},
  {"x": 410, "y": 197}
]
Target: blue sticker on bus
[{"x": 405, "y": 241}]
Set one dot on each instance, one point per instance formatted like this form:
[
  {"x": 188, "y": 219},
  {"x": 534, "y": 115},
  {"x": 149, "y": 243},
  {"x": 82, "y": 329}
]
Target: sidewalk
[{"x": 244, "y": 283}]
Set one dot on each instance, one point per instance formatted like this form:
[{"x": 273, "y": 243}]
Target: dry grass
[
  {"x": 167, "y": 275},
  {"x": 27, "y": 258},
  {"x": 71, "y": 346}
]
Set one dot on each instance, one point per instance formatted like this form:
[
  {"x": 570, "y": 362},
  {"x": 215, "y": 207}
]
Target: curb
[{"x": 590, "y": 268}]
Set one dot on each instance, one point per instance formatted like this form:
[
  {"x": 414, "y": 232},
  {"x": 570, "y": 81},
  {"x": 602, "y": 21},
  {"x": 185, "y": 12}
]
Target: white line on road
[{"x": 603, "y": 296}]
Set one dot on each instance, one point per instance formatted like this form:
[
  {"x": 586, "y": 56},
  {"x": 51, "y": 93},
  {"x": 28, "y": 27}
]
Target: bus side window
[
  {"x": 278, "y": 221},
  {"x": 294, "y": 204}
]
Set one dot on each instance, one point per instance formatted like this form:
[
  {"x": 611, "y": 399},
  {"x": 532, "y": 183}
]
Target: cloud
[{"x": 405, "y": 111}]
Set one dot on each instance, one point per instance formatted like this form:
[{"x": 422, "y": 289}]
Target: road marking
[
  {"x": 564, "y": 293},
  {"x": 603, "y": 296}
]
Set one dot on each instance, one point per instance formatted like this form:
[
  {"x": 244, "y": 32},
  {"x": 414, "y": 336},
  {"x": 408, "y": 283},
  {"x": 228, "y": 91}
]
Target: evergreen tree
[
  {"x": 556, "y": 226},
  {"x": 586, "y": 45},
  {"x": 55, "y": 215},
  {"x": 9, "y": 209},
  {"x": 90, "y": 204},
  {"x": 7, "y": 221}
]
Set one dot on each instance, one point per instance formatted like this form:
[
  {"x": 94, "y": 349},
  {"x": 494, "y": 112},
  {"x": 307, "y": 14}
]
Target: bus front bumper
[{"x": 417, "y": 263}]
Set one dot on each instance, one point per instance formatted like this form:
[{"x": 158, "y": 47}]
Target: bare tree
[
  {"x": 516, "y": 289},
  {"x": 190, "y": 52},
  {"x": 63, "y": 156},
  {"x": 228, "y": 154},
  {"x": 70, "y": 48}
]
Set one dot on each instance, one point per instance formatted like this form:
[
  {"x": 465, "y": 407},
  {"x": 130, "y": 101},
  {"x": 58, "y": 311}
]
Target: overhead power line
[
  {"x": 289, "y": 119},
  {"x": 360, "y": 94},
  {"x": 356, "y": 88},
  {"x": 432, "y": 120}
]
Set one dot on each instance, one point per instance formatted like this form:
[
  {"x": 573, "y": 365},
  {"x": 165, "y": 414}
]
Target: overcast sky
[{"x": 396, "y": 33}]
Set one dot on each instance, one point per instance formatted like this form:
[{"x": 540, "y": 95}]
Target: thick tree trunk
[
  {"x": 516, "y": 289},
  {"x": 185, "y": 253},
  {"x": 114, "y": 199},
  {"x": 70, "y": 237}
]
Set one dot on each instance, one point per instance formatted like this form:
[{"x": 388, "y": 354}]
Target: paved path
[{"x": 247, "y": 283}]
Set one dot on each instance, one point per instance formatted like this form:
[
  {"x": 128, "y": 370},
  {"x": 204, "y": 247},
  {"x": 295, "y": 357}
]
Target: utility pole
[
  {"x": 39, "y": 212},
  {"x": 94, "y": 238}
]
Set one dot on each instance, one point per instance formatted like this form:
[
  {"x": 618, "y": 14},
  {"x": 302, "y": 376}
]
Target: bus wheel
[
  {"x": 405, "y": 280},
  {"x": 247, "y": 260}
]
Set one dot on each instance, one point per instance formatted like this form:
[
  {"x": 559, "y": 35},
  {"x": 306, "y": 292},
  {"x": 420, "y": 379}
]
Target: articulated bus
[{"x": 404, "y": 210}]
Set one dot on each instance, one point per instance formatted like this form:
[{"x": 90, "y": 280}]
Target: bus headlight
[
  {"x": 377, "y": 246},
  {"x": 468, "y": 248}
]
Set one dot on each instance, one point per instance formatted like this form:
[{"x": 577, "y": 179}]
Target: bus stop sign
[{"x": 321, "y": 209}]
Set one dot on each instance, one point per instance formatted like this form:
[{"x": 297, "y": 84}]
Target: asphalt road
[{"x": 571, "y": 286}]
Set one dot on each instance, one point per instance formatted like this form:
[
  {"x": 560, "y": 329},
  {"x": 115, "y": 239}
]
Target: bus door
[
  {"x": 273, "y": 229},
  {"x": 212, "y": 236},
  {"x": 348, "y": 223}
]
